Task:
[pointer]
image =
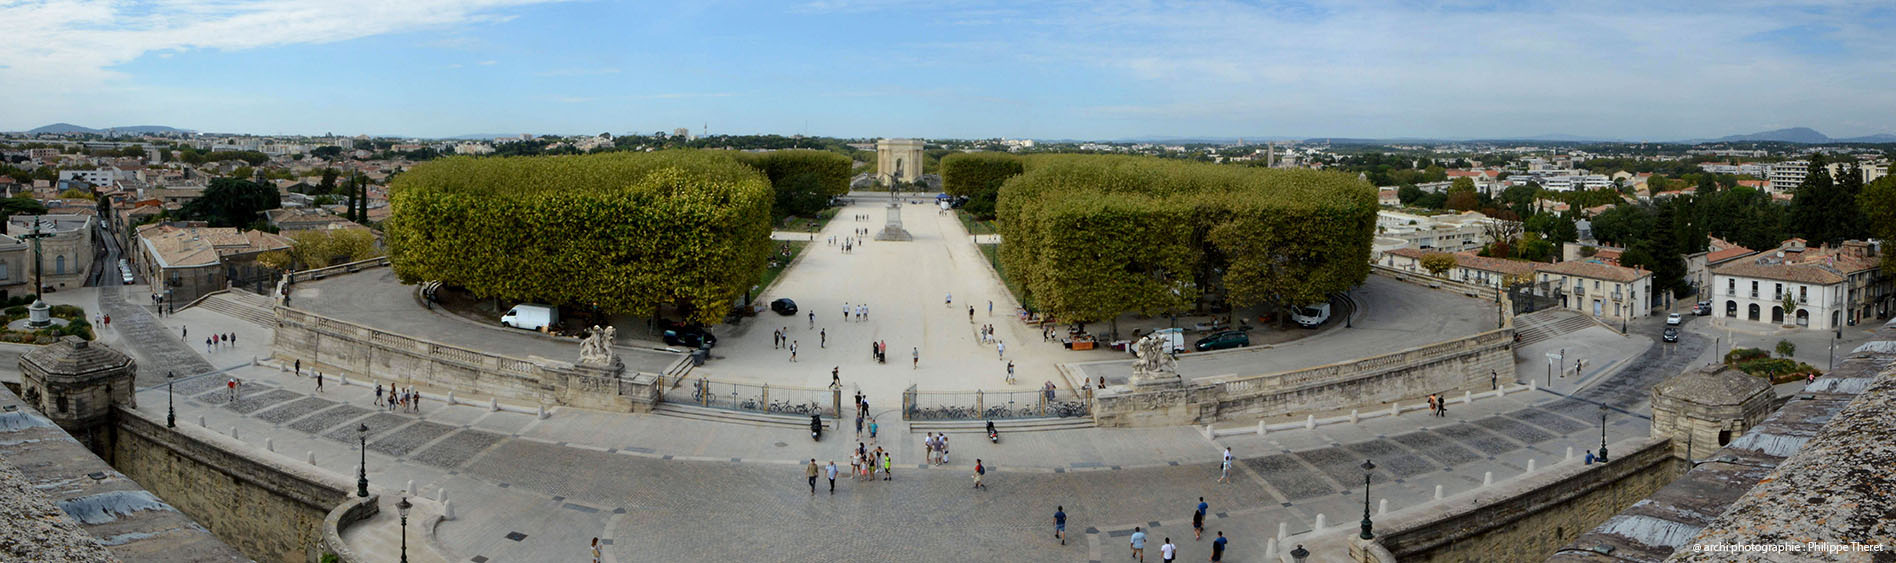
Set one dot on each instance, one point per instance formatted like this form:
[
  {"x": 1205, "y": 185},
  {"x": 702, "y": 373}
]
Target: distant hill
[
  {"x": 1877, "y": 138},
  {"x": 68, "y": 128},
  {"x": 1790, "y": 135}
]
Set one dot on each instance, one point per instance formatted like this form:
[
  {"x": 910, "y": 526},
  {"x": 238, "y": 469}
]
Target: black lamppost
[
  {"x": 402, "y": 508},
  {"x": 171, "y": 403},
  {"x": 1299, "y": 554},
  {"x": 1368, "y": 468},
  {"x": 363, "y": 469},
  {"x": 1602, "y": 434}
]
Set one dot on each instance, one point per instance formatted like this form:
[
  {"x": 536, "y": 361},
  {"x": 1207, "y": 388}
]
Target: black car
[
  {"x": 1671, "y": 334},
  {"x": 690, "y": 336},
  {"x": 1222, "y": 340},
  {"x": 784, "y": 306}
]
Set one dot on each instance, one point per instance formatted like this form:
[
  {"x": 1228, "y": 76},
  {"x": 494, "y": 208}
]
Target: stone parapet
[{"x": 356, "y": 509}]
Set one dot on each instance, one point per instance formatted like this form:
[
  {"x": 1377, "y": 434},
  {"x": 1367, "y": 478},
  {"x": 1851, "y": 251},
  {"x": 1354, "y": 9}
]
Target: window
[
  {"x": 59, "y": 264},
  {"x": 1803, "y": 294},
  {"x": 1596, "y": 285},
  {"x": 1731, "y": 285},
  {"x": 3, "y": 271}
]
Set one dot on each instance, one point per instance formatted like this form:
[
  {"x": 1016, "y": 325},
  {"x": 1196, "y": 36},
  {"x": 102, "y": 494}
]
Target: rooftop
[
  {"x": 1595, "y": 270},
  {"x": 185, "y": 247}
]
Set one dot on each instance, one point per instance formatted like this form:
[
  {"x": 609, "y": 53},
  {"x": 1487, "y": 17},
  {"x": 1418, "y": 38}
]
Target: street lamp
[
  {"x": 171, "y": 402},
  {"x": 1368, "y": 468},
  {"x": 402, "y": 508},
  {"x": 1299, "y": 554},
  {"x": 1602, "y": 433},
  {"x": 363, "y": 469}
]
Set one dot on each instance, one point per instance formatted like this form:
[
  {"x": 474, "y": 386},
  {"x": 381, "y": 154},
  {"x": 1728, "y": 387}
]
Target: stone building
[
  {"x": 187, "y": 262},
  {"x": 1602, "y": 290},
  {"x": 1704, "y": 409},
  {"x": 66, "y": 256},
  {"x": 76, "y": 383},
  {"x": 898, "y": 160}
]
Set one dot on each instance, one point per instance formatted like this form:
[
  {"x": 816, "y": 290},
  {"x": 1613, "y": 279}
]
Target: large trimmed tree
[
  {"x": 979, "y": 177},
  {"x": 625, "y": 232}
]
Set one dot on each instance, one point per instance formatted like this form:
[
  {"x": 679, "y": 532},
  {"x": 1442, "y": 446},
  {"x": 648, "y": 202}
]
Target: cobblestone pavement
[{"x": 159, "y": 349}]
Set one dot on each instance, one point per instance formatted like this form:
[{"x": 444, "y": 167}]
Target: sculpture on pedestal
[
  {"x": 1155, "y": 363},
  {"x": 596, "y": 348}
]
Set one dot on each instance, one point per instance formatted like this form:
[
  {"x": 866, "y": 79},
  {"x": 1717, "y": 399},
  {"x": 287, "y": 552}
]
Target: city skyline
[{"x": 445, "y": 68}]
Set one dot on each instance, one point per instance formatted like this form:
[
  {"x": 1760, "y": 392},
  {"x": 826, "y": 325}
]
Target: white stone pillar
[
  {"x": 1353, "y": 416},
  {"x": 1487, "y": 478},
  {"x": 312, "y": 456},
  {"x": 269, "y": 445},
  {"x": 1438, "y": 491},
  {"x": 1310, "y": 422},
  {"x": 1382, "y": 506},
  {"x": 1530, "y": 465},
  {"x": 1319, "y": 526}
]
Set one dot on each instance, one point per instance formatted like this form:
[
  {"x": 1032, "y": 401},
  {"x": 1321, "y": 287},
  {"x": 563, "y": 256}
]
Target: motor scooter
[
  {"x": 816, "y": 427},
  {"x": 993, "y": 435}
]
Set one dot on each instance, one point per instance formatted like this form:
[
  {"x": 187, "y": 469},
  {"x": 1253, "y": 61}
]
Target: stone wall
[
  {"x": 268, "y": 507},
  {"x": 1527, "y": 518},
  {"x": 1454, "y": 365},
  {"x": 332, "y": 345}
]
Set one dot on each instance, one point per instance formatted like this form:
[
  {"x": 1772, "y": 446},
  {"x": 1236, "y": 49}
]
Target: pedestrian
[
  {"x": 1431, "y": 403},
  {"x": 232, "y": 384},
  {"x": 1138, "y": 544},
  {"x": 1060, "y": 524},
  {"x": 1441, "y": 406},
  {"x": 775, "y": 339},
  {"x": 823, "y": 338},
  {"x": 832, "y": 476},
  {"x": 1218, "y": 547},
  {"x": 811, "y": 473},
  {"x": 990, "y": 307},
  {"x": 845, "y": 312},
  {"x": 378, "y": 394},
  {"x": 859, "y": 422},
  {"x": 928, "y": 445},
  {"x": 233, "y": 336},
  {"x": 917, "y": 352},
  {"x": 108, "y": 321},
  {"x": 970, "y": 314},
  {"x": 836, "y": 378},
  {"x": 1000, "y": 350},
  {"x": 299, "y": 367},
  {"x": 872, "y": 429},
  {"x": 184, "y": 332},
  {"x": 207, "y": 345},
  {"x": 979, "y": 471},
  {"x": 1590, "y": 457},
  {"x": 416, "y": 402},
  {"x": 1494, "y": 380},
  {"x": 855, "y": 466},
  {"x": 888, "y": 467},
  {"x": 812, "y": 319},
  {"x": 1198, "y": 519},
  {"x": 319, "y": 382},
  {"x": 595, "y": 550},
  {"x": 1010, "y": 373},
  {"x": 949, "y": 300},
  {"x": 1224, "y": 469},
  {"x": 1167, "y": 551},
  {"x": 793, "y": 350},
  {"x": 942, "y": 442}
]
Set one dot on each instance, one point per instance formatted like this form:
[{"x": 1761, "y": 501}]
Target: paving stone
[
  {"x": 409, "y": 437},
  {"x": 1290, "y": 477},
  {"x": 294, "y": 409},
  {"x": 259, "y": 401},
  {"x": 1514, "y": 429},
  {"x": 317, "y": 422},
  {"x": 1436, "y": 447},
  {"x": 1554, "y": 422},
  {"x": 379, "y": 424},
  {"x": 1481, "y": 440},
  {"x": 158, "y": 346},
  {"x": 185, "y": 387},
  {"x": 1340, "y": 464},
  {"x": 1392, "y": 458},
  {"x": 457, "y": 448}
]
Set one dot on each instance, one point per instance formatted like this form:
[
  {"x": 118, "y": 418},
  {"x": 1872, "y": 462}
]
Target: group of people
[
  {"x": 937, "y": 447},
  {"x": 317, "y": 374},
  {"x": 1168, "y": 550},
  {"x": 218, "y": 341},
  {"x": 406, "y": 399},
  {"x": 860, "y": 310},
  {"x": 1438, "y": 405}
]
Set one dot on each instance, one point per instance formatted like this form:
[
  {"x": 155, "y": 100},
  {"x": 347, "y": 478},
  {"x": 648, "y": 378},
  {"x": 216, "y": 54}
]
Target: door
[{"x": 1596, "y": 307}]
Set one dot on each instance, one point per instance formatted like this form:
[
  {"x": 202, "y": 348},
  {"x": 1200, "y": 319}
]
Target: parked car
[
  {"x": 1671, "y": 334},
  {"x": 1222, "y": 340},
  {"x": 1703, "y": 308},
  {"x": 1674, "y": 319},
  {"x": 1311, "y": 316},
  {"x": 531, "y": 316},
  {"x": 784, "y": 306},
  {"x": 690, "y": 336}
]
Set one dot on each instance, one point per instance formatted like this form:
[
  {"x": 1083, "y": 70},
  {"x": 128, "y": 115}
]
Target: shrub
[
  {"x": 1737, "y": 355},
  {"x": 67, "y": 312}
]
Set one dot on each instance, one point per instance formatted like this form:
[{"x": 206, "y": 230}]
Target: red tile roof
[{"x": 1595, "y": 270}]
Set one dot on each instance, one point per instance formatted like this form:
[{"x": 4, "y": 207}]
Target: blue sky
[{"x": 865, "y": 68}]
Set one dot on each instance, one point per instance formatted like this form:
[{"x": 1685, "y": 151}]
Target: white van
[
  {"x": 1311, "y": 316},
  {"x": 531, "y": 316},
  {"x": 1174, "y": 339}
]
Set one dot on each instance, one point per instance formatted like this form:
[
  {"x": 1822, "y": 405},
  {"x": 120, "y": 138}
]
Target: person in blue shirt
[
  {"x": 1138, "y": 544},
  {"x": 1060, "y": 524},
  {"x": 1218, "y": 547},
  {"x": 1198, "y": 520}
]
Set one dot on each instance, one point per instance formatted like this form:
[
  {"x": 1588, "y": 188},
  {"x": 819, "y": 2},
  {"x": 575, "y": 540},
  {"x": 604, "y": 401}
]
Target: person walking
[
  {"x": 970, "y": 314},
  {"x": 872, "y": 429},
  {"x": 1010, "y": 373},
  {"x": 595, "y": 550},
  {"x": 1198, "y": 519},
  {"x": 1218, "y": 547},
  {"x": 1167, "y": 551},
  {"x": 299, "y": 367},
  {"x": 823, "y": 338},
  {"x": 1224, "y": 468},
  {"x": 836, "y": 378},
  {"x": 942, "y": 442},
  {"x": 948, "y": 300},
  {"x": 1494, "y": 380},
  {"x": 1431, "y": 403},
  {"x": 319, "y": 382},
  {"x": 917, "y": 352},
  {"x": 811, "y": 473},
  {"x": 979, "y": 472},
  {"x": 1138, "y": 544},
  {"x": 232, "y": 385},
  {"x": 888, "y": 467},
  {"x": 859, "y": 416},
  {"x": 776, "y": 339},
  {"x": 1000, "y": 350},
  {"x": 990, "y": 307},
  {"x": 832, "y": 476},
  {"x": 793, "y": 350},
  {"x": 845, "y": 312},
  {"x": 812, "y": 319},
  {"x": 378, "y": 394},
  {"x": 1060, "y": 524}
]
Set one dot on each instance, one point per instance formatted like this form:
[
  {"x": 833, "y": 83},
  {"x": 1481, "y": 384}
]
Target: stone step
[
  {"x": 244, "y": 309},
  {"x": 689, "y": 412},
  {"x": 1002, "y": 426}
]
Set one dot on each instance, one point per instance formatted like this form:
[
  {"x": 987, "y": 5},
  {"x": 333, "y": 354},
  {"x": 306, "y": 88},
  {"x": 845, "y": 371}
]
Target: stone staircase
[
  {"x": 242, "y": 305},
  {"x": 1005, "y": 426},
  {"x": 1546, "y": 325},
  {"x": 379, "y": 538},
  {"x": 690, "y": 412}
]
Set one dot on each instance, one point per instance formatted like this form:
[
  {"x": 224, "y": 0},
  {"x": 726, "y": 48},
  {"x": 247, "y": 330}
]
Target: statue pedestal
[
  {"x": 1156, "y": 381},
  {"x": 892, "y": 230},
  {"x": 39, "y": 315}
]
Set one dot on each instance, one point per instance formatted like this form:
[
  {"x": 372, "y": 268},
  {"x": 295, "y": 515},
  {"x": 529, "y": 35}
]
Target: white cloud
[
  {"x": 73, "y": 44},
  {"x": 578, "y": 72},
  {"x": 488, "y": 63}
]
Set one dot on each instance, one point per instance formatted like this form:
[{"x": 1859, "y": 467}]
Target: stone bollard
[
  {"x": 411, "y": 487},
  {"x": 1500, "y": 392},
  {"x": 542, "y": 414},
  {"x": 1569, "y": 453},
  {"x": 311, "y": 455},
  {"x": 1438, "y": 492},
  {"x": 1206, "y": 430},
  {"x": 1319, "y": 526},
  {"x": 1260, "y": 427},
  {"x": 269, "y": 445},
  {"x": 1468, "y": 397},
  {"x": 1382, "y": 506},
  {"x": 201, "y": 422},
  {"x": 441, "y": 495},
  {"x": 1532, "y": 385},
  {"x": 1270, "y": 548},
  {"x": 493, "y": 405},
  {"x": 1354, "y": 417},
  {"x": 1530, "y": 465},
  {"x": 282, "y": 368},
  {"x": 344, "y": 378},
  {"x": 451, "y": 398},
  {"x": 1395, "y": 409},
  {"x": 1310, "y": 422},
  {"x": 1487, "y": 478},
  {"x": 447, "y": 510},
  {"x": 233, "y": 433},
  {"x": 1283, "y": 530}
]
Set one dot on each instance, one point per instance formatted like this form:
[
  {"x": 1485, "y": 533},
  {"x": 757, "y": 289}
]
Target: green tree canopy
[
  {"x": 803, "y": 180},
  {"x": 626, "y": 232},
  {"x": 1878, "y": 202},
  {"x": 231, "y": 202},
  {"x": 979, "y": 177}
]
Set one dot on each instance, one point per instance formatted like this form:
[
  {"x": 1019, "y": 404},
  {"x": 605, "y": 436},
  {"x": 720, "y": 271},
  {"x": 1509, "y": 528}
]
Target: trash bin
[{"x": 699, "y": 356}]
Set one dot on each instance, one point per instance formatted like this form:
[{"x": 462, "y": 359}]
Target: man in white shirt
[{"x": 1167, "y": 551}]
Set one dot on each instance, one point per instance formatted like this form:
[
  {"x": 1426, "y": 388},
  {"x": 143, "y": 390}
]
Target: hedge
[
  {"x": 625, "y": 232},
  {"x": 1093, "y": 237}
]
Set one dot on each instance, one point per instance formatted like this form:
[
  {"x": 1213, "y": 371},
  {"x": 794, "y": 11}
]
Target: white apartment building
[
  {"x": 1447, "y": 232},
  {"x": 1786, "y": 176},
  {"x": 1602, "y": 290},
  {"x": 101, "y": 177},
  {"x": 1832, "y": 287}
]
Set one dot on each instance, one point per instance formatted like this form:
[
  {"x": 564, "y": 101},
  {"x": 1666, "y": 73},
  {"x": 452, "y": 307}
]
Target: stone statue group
[
  {"x": 596, "y": 347},
  {"x": 1154, "y": 360}
]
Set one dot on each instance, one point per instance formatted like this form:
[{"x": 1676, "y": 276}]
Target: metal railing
[
  {"x": 994, "y": 405},
  {"x": 757, "y": 398}
]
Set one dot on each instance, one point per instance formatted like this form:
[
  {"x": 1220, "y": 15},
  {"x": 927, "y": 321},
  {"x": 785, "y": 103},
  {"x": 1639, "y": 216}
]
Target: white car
[{"x": 1674, "y": 319}]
